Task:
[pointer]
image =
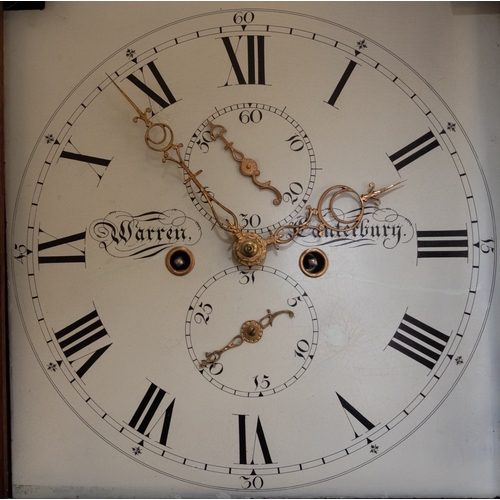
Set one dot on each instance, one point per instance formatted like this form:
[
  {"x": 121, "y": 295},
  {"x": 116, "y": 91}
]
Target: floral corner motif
[
  {"x": 52, "y": 367},
  {"x": 361, "y": 44}
]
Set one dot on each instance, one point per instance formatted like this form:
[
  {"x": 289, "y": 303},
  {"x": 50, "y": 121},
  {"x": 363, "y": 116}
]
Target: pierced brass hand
[
  {"x": 249, "y": 248},
  {"x": 251, "y": 331},
  {"x": 160, "y": 138},
  {"x": 343, "y": 225},
  {"x": 248, "y": 166}
]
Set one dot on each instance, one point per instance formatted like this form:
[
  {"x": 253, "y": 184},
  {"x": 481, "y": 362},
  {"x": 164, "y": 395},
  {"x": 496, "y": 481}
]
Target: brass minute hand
[
  {"x": 251, "y": 248},
  {"x": 160, "y": 138},
  {"x": 286, "y": 233},
  {"x": 248, "y": 166}
]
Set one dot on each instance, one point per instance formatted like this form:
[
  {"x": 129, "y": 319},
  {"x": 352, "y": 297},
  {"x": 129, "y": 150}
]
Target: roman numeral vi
[
  {"x": 260, "y": 438},
  {"x": 447, "y": 243}
]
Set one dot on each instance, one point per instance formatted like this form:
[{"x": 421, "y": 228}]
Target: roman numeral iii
[
  {"x": 418, "y": 341},
  {"x": 448, "y": 243}
]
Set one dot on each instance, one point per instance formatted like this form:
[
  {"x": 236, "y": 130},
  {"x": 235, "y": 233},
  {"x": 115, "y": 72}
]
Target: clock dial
[
  {"x": 285, "y": 351},
  {"x": 347, "y": 363},
  {"x": 290, "y": 158}
]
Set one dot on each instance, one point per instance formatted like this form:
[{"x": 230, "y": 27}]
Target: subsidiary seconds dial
[{"x": 283, "y": 154}]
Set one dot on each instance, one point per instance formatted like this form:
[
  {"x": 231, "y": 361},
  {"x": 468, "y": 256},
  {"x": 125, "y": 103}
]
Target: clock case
[{"x": 4, "y": 358}]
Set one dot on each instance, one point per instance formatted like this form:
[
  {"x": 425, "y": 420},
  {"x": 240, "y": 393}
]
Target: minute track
[{"x": 314, "y": 382}]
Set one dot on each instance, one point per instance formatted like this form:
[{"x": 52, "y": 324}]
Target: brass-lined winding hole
[
  {"x": 313, "y": 262},
  {"x": 180, "y": 261}
]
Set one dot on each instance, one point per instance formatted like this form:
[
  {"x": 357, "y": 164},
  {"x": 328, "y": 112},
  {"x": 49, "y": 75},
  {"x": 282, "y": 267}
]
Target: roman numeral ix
[{"x": 68, "y": 249}]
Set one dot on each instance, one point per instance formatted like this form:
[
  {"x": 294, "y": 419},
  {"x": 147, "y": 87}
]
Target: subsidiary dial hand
[
  {"x": 248, "y": 166},
  {"x": 251, "y": 331}
]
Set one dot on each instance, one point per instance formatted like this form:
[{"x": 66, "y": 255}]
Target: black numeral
[
  {"x": 419, "y": 341},
  {"x": 97, "y": 164},
  {"x": 259, "y": 438},
  {"x": 69, "y": 249},
  {"x": 340, "y": 86},
  {"x": 414, "y": 150},
  {"x": 80, "y": 341},
  {"x": 164, "y": 100},
  {"x": 442, "y": 244},
  {"x": 152, "y": 406},
  {"x": 255, "y": 60},
  {"x": 351, "y": 414}
]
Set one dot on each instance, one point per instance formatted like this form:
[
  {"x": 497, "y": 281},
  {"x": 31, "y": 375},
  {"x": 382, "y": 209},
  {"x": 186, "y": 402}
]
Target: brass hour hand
[
  {"x": 251, "y": 331},
  {"x": 248, "y": 166}
]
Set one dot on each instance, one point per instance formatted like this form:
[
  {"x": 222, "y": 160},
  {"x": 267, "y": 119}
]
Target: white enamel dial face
[
  {"x": 375, "y": 344},
  {"x": 287, "y": 151}
]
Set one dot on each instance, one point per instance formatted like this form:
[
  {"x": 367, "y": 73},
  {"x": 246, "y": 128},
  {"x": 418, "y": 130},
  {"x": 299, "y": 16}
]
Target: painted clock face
[{"x": 374, "y": 345}]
